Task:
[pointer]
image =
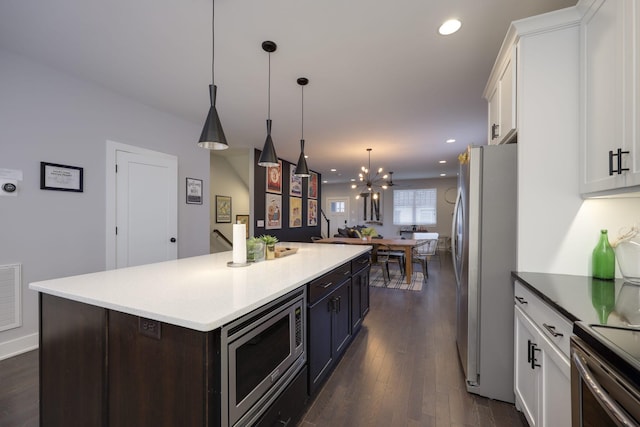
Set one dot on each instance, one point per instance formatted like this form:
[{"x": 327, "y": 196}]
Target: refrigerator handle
[{"x": 454, "y": 239}]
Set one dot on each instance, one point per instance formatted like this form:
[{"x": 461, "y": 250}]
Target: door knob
[{"x": 172, "y": 240}]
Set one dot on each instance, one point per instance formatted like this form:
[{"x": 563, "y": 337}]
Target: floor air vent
[{"x": 10, "y": 296}]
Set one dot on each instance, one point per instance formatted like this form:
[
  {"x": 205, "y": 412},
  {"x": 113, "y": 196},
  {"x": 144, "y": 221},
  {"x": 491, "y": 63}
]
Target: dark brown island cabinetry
[
  {"x": 100, "y": 367},
  {"x": 337, "y": 303}
]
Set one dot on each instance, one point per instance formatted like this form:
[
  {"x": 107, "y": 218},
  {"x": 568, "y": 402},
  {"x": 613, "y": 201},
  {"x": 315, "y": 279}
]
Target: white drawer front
[{"x": 554, "y": 326}]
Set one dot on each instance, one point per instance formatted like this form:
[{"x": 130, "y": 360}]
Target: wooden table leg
[{"x": 408, "y": 264}]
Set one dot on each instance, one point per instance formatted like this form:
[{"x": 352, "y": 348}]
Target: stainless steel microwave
[{"x": 260, "y": 355}]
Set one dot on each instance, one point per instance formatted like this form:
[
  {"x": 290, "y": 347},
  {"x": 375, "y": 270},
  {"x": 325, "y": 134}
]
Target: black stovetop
[{"x": 620, "y": 346}]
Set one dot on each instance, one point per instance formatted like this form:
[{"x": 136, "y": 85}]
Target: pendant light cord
[
  {"x": 302, "y": 127},
  {"x": 213, "y": 39},
  {"x": 269, "y": 90}
]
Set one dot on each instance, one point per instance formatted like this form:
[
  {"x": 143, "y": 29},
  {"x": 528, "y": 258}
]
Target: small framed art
[
  {"x": 223, "y": 209},
  {"x": 61, "y": 177},
  {"x": 194, "y": 191}
]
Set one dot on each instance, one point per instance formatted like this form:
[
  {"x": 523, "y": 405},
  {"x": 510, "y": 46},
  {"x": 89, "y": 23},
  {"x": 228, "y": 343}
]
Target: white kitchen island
[{"x": 94, "y": 337}]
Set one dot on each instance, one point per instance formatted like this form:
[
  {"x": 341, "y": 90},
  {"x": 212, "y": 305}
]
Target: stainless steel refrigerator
[{"x": 484, "y": 254}]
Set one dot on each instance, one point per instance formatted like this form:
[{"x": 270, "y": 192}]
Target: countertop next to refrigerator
[
  {"x": 581, "y": 298},
  {"x": 578, "y": 298}
]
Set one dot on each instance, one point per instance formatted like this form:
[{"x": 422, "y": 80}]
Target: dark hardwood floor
[
  {"x": 19, "y": 391},
  {"x": 401, "y": 370}
]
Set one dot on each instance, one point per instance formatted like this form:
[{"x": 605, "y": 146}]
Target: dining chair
[
  {"x": 398, "y": 256},
  {"x": 420, "y": 254},
  {"x": 382, "y": 259}
]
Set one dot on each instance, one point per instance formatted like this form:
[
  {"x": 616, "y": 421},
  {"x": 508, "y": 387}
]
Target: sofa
[{"x": 353, "y": 232}]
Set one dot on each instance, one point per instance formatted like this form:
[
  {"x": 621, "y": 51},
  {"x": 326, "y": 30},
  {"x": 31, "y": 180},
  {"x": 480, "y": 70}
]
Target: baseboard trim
[{"x": 18, "y": 346}]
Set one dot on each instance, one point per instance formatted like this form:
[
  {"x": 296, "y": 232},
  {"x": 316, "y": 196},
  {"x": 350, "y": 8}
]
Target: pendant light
[
  {"x": 269, "y": 156},
  {"x": 301, "y": 169},
  {"x": 212, "y": 136}
]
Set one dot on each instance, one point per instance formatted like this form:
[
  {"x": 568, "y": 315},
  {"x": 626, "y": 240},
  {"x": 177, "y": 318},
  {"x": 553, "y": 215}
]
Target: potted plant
[
  {"x": 368, "y": 232},
  {"x": 255, "y": 249},
  {"x": 270, "y": 242}
]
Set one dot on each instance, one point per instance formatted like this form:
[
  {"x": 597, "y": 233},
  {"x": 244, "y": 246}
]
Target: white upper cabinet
[
  {"x": 609, "y": 154},
  {"x": 501, "y": 95}
]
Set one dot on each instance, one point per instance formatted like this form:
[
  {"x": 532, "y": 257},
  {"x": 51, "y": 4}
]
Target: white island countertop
[{"x": 202, "y": 292}]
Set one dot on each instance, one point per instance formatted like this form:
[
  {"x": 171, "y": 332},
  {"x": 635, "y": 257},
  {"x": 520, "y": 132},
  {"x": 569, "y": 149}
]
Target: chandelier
[{"x": 369, "y": 184}]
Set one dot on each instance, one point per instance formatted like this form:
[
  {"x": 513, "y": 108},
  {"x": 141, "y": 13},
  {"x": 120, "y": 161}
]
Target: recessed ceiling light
[
  {"x": 353, "y": 180},
  {"x": 443, "y": 174},
  {"x": 333, "y": 170},
  {"x": 325, "y": 181},
  {"x": 450, "y": 141},
  {"x": 442, "y": 161},
  {"x": 449, "y": 27}
]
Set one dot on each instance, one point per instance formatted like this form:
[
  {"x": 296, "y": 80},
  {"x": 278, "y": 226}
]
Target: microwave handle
[{"x": 600, "y": 394}]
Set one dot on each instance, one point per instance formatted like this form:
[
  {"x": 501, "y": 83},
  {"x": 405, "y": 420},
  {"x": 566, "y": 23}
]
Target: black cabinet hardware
[
  {"x": 618, "y": 154},
  {"x": 552, "y": 330},
  {"x": 521, "y": 300},
  {"x": 534, "y": 348},
  {"x": 494, "y": 131}
]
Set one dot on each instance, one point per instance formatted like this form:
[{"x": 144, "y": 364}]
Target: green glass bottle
[{"x": 603, "y": 260}]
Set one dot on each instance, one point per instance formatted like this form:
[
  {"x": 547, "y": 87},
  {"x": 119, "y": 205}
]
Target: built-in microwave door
[{"x": 260, "y": 354}]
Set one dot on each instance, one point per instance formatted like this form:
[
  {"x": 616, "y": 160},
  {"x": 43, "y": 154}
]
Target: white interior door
[
  {"x": 338, "y": 213},
  {"x": 146, "y": 208}
]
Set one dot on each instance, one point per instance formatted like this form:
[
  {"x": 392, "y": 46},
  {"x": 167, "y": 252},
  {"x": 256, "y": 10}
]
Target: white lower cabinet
[{"x": 542, "y": 370}]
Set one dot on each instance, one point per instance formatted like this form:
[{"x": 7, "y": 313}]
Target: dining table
[{"x": 405, "y": 245}]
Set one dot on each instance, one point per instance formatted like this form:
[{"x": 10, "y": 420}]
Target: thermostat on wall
[{"x": 8, "y": 187}]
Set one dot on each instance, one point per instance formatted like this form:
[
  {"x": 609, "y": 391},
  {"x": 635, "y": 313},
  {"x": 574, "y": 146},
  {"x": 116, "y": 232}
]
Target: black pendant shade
[
  {"x": 212, "y": 136},
  {"x": 301, "y": 169},
  {"x": 268, "y": 156}
]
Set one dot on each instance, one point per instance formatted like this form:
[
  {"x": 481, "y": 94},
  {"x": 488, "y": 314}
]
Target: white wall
[
  {"x": 557, "y": 229},
  {"x": 46, "y": 115},
  {"x": 356, "y": 214},
  {"x": 230, "y": 176}
]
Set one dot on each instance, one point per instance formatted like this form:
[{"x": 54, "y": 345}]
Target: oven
[
  {"x": 604, "y": 389},
  {"x": 261, "y": 353}
]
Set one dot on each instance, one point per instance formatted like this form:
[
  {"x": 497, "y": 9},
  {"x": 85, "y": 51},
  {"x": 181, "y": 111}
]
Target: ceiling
[{"x": 380, "y": 75}]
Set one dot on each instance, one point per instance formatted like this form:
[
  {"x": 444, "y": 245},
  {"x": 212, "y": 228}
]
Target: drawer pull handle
[
  {"x": 552, "y": 330},
  {"x": 521, "y": 300},
  {"x": 346, "y": 273},
  {"x": 326, "y": 285}
]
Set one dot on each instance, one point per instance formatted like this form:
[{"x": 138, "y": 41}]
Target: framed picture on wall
[
  {"x": 61, "y": 177},
  {"x": 295, "y": 182},
  {"x": 295, "y": 212},
  {"x": 223, "y": 209},
  {"x": 243, "y": 219},
  {"x": 312, "y": 213},
  {"x": 273, "y": 208},
  {"x": 194, "y": 191},
  {"x": 313, "y": 186},
  {"x": 274, "y": 178}
]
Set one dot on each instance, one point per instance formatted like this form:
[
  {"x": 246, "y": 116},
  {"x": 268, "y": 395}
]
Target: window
[
  {"x": 338, "y": 207},
  {"x": 415, "y": 207}
]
